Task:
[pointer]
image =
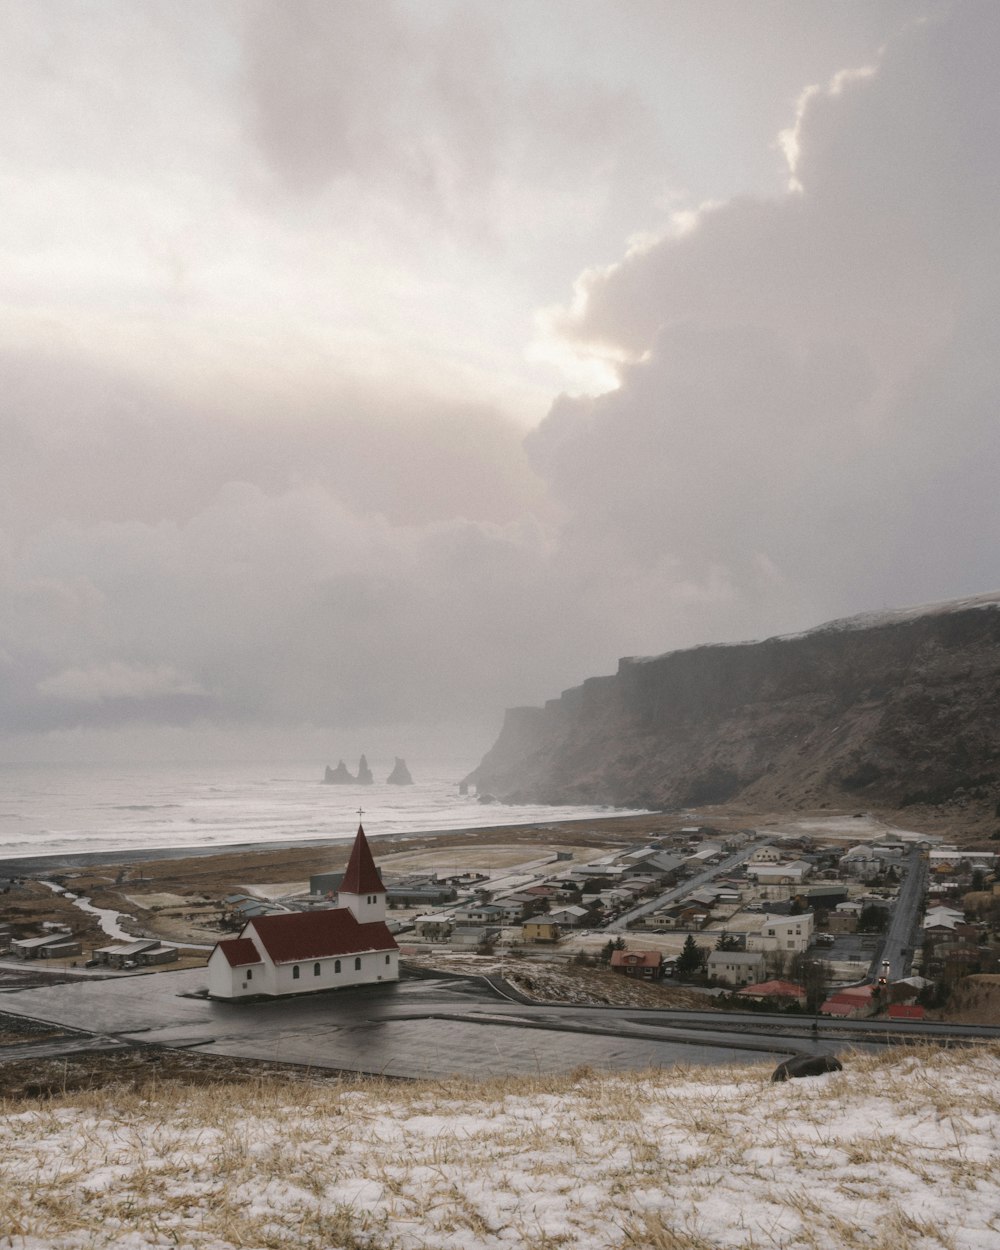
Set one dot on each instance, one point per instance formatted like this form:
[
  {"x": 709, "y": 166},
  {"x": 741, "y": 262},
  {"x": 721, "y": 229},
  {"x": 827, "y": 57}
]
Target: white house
[
  {"x": 792, "y": 873},
  {"x": 736, "y": 967},
  {"x": 303, "y": 952},
  {"x": 782, "y": 933}
]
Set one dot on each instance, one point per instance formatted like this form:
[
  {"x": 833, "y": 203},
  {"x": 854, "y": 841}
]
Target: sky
[{"x": 366, "y": 368}]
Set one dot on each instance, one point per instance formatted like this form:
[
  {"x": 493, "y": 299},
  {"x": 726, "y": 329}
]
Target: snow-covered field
[{"x": 897, "y": 1152}]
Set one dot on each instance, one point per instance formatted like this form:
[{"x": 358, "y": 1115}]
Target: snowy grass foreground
[{"x": 897, "y": 1151}]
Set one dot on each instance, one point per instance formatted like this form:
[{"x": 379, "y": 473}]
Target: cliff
[{"x": 892, "y": 710}]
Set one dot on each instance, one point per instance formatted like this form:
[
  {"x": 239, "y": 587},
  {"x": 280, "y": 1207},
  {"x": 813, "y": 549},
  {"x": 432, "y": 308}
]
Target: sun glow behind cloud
[{"x": 287, "y": 287}]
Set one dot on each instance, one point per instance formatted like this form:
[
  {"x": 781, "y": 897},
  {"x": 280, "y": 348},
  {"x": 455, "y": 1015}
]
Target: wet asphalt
[
  {"x": 419, "y": 1028},
  {"x": 431, "y": 1027}
]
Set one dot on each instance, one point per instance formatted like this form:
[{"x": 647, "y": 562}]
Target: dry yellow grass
[{"x": 899, "y": 1150}]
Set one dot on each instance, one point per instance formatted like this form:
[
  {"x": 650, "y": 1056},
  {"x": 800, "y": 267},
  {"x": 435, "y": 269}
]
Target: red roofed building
[
  {"x": 302, "y": 952},
  {"x": 855, "y": 1001},
  {"x": 787, "y": 991},
  {"x": 905, "y": 1011},
  {"x": 645, "y": 964}
]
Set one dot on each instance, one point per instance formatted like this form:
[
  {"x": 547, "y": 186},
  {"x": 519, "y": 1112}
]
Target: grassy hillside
[{"x": 898, "y": 1151}]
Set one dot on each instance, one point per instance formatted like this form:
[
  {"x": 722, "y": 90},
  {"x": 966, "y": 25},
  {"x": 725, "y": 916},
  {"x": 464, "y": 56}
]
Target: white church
[{"x": 302, "y": 952}]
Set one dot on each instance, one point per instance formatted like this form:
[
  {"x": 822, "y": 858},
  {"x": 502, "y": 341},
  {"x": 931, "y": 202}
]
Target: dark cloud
[
  {"x": 810, "y": 414},
  {"x": 276, "y": 519}
]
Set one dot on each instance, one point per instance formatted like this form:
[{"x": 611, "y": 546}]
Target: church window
[
  {"x": 295, "y": 972},
  {"x": 249, "y": 974},
  {"x": 315, "y": 970},
  {"x": 387, "y": 959},
  {"x": 357, "y": 964},
  {"x": 336, "y": 965}
]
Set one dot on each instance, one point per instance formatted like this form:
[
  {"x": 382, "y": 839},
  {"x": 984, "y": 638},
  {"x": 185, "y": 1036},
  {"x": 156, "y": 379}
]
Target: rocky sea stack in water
[
  {"x": 400, "y": 775},
  {"x": 338, "y": 776},
  {"x": 365, "y": 777},
  {"x": 888, "y": 710}
]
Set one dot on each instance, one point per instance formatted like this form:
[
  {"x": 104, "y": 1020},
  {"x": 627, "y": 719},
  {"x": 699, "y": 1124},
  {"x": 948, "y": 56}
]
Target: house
[
  {"x": 51, "y": 946},
  {"x": 905, "y": 1011},
  {"x": 782, "y": 933},
  {"x": 569, "y": 917},
  {"x": 479, "y": 913},
  {"x": 849, "y": 1003},
  {"x": 783, "y": 991},
  {"x": 144, "y": 952},
  {"x": 434, "y": 927},
  {"x": 766, "y": 854},
  {"x": 736, "y": 967},
  {"x": 949, "y": 858},
  {"x": 792, "y": 873},
  {"x": 303, "y": 952},
  {"x": 645, "y": 964},
  {"x": 469, "y": 937},
  {"x": 540, "y": 929}
]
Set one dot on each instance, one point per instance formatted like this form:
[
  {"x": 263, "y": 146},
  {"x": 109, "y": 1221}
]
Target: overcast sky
[{"x": 366, "y": 368}]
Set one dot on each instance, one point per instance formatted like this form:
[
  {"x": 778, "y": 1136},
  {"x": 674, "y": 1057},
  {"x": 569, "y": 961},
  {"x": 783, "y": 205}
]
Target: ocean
[{"x": 76, "y": 809}]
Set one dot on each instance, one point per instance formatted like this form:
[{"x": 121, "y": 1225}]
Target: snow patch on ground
[{"x": 898, "y": 1151}]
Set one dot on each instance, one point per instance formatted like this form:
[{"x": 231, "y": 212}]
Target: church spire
[{"x": 361, "y": 876}]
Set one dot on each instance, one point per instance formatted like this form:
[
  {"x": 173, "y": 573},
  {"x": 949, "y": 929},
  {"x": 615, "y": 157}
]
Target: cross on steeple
[{"x": 361, "y": 812}]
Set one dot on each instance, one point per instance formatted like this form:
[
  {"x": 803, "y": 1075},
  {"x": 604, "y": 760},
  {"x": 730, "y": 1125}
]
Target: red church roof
[
  {"x": 318, "y": 934},
  {"x": 239, "y": 952},
  {"x": 361, "y": 876}
]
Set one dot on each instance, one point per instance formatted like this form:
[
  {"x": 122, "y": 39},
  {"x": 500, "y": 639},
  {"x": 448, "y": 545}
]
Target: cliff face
[{"x": 891, "y": 711}]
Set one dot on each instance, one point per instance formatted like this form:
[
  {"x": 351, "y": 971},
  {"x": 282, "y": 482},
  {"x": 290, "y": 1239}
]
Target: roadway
[
  {"x": 435, "y": 1027},
  {"x": 897, "y": 948},
  {"x": 685, "y": 888}
]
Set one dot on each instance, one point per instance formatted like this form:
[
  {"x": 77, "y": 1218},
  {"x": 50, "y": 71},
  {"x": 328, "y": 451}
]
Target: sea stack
[
  {"x": 400, "y": 775},
  {"x": 338, "y": 776},
  {"x": 365, "y": 777}
]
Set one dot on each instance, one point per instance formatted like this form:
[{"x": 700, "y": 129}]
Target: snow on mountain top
[{"x": 863, "y": 620}]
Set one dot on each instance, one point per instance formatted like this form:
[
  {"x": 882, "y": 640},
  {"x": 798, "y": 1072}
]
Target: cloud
[
  {"x": 117, "y": 681},
  {"x": 253, "y": 491},
  {"x": 804, "y": 381}
]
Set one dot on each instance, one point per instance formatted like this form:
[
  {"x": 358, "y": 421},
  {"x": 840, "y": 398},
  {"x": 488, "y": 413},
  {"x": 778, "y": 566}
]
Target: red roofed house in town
[
  {"x": 855, "y": 1001},
  {"x": 645, "y": 964},
  {"x": 301, "y": 952},
  {"x": 787, "y": 991}
]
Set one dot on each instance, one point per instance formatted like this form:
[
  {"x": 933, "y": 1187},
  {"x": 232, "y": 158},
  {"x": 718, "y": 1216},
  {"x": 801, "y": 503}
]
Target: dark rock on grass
[{"x": 806, "y": 1065}]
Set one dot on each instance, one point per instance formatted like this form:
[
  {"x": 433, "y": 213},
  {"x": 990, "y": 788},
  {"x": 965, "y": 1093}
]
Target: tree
[
  {"x": 776, "y": 962},
  {"x": 873, "y": 919},
  {"x": 691, "y": 960},
  {"x": 609, "y": 948},
  {"x": 727, "y": 942},
  {"x": 814, "y": 976}
]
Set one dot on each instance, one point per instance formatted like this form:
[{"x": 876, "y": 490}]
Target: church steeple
[{"x": 361, "y": 889}]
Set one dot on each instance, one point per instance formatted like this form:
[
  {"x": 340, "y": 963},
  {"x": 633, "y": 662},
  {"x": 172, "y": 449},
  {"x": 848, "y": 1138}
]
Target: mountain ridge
[{"x": 891, "y": 709}]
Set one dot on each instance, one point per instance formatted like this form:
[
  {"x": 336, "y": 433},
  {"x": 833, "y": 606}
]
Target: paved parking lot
[{"x": 415, "y": 1028}]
